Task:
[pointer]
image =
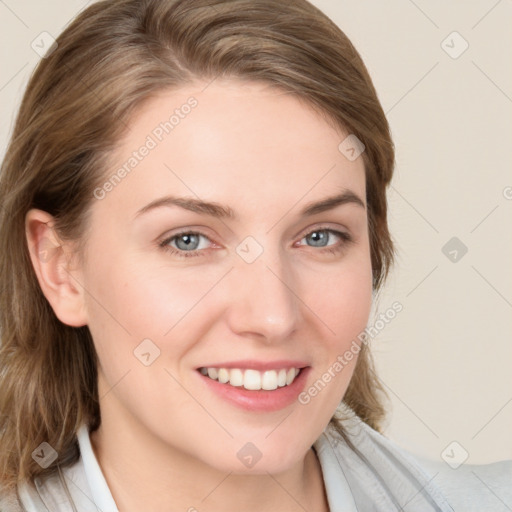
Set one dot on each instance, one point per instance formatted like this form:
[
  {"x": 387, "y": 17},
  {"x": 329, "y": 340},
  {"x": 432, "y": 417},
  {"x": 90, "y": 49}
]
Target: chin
[
  {"x": 259, "y": 458},
  {"x": 263, "y": 466}
]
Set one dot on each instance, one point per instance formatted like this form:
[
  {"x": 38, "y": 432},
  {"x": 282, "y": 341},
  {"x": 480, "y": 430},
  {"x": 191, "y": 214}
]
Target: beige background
[{"x": 446, "y": 358}]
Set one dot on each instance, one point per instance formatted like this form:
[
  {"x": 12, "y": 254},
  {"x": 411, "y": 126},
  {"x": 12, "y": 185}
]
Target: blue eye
[
  {"x": 319, "y": 238},
  {"x": 190, "y": 243},
  {"x": 186, "y": 242},
  {"x": 324, "y": 238}
]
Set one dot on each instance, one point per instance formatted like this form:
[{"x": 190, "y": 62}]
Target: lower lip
[{"x": 260, "y": 400}]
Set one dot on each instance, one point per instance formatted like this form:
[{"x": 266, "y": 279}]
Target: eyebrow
[
  {"x": 346, "y": 197},
  {"x": 225, "y": 212}
]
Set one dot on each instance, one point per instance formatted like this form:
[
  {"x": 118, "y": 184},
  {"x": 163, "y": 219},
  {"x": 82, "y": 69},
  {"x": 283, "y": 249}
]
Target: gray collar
[{"x": 362, "y": 471}]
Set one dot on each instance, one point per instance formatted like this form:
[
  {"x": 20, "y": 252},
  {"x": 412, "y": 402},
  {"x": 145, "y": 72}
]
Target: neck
[
  {"x": 146, "y": 472},
  {"x": 144, "y": 475}
]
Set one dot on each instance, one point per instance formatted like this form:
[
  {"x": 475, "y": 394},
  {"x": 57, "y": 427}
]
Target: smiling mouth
[{"x": 250, "y": 379}]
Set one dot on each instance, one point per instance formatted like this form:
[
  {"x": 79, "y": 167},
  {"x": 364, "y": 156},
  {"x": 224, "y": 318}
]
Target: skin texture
[{"x": 167, "y": 442}]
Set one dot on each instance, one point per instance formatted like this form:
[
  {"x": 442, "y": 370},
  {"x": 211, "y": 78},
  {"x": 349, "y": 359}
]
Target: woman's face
[{"x": 236, "y": 240}]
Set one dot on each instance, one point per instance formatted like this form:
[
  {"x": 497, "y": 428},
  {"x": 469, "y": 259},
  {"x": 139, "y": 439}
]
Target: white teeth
[
  {"x": 253, "y": 380},
  {"x": 269, "y": 380},
  {"x": 236, "y": 377},
  {"x": 290, "y": 376},
  {"x": 223, "y": 375}
]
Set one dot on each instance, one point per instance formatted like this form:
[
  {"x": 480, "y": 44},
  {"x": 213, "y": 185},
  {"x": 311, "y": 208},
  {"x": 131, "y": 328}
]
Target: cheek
[
  {"x": 177, "y": 307},
  {"x": 142, "y": 314},
  {"x": 341, "y": 298},
  {"x": 134, "y": 301},
  {"x": 346, "y": 304}
]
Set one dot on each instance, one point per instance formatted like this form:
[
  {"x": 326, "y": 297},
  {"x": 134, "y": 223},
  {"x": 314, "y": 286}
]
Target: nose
[{"x": 263, "y": 303}]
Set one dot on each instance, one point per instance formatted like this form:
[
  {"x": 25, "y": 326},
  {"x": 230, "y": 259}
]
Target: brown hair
[{"x": 112, "y": 57}]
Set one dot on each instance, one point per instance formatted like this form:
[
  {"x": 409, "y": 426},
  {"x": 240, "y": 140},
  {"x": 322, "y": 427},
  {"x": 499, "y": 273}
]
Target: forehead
[{"x": 247, "y": 144}]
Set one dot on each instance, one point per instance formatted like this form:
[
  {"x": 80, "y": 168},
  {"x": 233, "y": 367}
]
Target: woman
[{"x": 194, "y": 229}]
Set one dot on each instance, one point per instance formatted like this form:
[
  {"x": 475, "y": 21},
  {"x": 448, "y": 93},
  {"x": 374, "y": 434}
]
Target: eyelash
[{"x": 164, "y": 245}]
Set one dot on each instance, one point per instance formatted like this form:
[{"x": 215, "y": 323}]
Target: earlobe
[{"x": 51, "y": 258}]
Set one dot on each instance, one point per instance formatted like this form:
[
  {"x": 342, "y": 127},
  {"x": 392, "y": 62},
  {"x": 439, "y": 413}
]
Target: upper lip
[{"x": 249, "y": 364}]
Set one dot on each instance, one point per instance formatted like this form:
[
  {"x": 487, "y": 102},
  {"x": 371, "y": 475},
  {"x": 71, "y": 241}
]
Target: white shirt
[{"x": 365, "y": 473}]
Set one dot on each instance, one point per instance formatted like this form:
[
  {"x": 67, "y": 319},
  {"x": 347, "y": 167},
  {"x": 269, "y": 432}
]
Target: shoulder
[
  {"x": 399, "y": 472},
  {"x": 44, "y": 493},
  {"x": 379, "y": 473},
  {"x": 474, "y": 487},
  {"x": 9, "y": 501},
  {"x": 49, "y": 493}
]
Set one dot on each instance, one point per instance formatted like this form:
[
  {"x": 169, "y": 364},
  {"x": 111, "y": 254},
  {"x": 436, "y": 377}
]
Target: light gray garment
[
  {"x": 367, "y": 473},
  {"x": 472, "y": 487}
]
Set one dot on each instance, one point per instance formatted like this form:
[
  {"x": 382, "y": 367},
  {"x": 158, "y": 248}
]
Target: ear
[{"x": 51, "y": 259}]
